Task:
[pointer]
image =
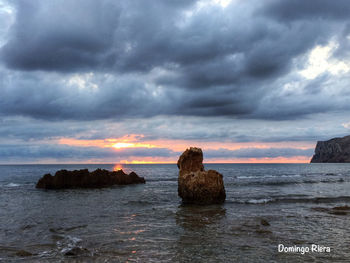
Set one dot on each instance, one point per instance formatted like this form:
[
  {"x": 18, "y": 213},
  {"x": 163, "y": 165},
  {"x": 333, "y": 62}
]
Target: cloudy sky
[{"x": 140, "y": 81}]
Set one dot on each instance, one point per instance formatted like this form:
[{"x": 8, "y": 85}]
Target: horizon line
[{"x": 3, "y": 164}]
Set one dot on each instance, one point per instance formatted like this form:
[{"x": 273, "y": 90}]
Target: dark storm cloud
[
  {"x": 43, "y": 97},
  {"x": 60, "y": 34},
  {"x": 299, "y": 9},
  {"x": 76, "y": 35},
  {"x": 133, "y": 35},
  {"x": 165, "y": 58},
  {"x": 211, "y": 49}
]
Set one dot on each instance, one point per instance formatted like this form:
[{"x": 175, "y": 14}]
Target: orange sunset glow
[
  {"x": 119, "y": 145},
  {"x": 117, "y": 167},
  {"x": 133, "y": 141}
]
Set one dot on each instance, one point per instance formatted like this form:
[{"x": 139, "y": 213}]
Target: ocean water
[{"x": 148, "y": 223}]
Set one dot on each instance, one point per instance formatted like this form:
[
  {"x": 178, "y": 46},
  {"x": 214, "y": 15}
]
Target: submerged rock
[
  {"x": 23, "y": 253},
  {"x": 76, "y": 251},
  {"x": 85, "y": 179},
  {"x": 345, "y": 207},
  {"x": 195, "y": 185},
  {"x": 336, "y": 150},
  {"x": 337, "y": 210},
  {"x": 264, "y": 222}
]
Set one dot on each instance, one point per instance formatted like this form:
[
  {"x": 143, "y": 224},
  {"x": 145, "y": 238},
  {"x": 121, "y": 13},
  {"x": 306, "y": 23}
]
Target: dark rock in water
[
  {"x": 320, "y": 209},
  {"x": 264, "y": 222},
  {"x": 76, "y": 251},
  {"x": 337, "y": 210},
  {"x": 23, "y": 253},
  {"x": 84, "y": 179},
  {"x": 336, "y": 150},
  {"x": 195, "y": 185},
  {"x": 263, "y": 231},
  {"x": 343, "y": 208}
]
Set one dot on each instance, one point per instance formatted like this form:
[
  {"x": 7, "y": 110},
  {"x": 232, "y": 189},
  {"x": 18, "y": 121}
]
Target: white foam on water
[
  {"x": 65, "y": 249},
  {"x": 44, "y": 253},
  {"x": 255, "y": 177},
  {"x": 267, "y": 176},
  {"x": 72, "y": 242},
  {"x": 12, "y": 185},
  {"x": 290, "y": 175},
  {"x": 259, "y": 201}
]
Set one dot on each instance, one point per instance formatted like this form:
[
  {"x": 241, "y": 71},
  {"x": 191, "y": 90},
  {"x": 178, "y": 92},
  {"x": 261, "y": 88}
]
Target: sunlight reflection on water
[{"x": 117, "y": 167}]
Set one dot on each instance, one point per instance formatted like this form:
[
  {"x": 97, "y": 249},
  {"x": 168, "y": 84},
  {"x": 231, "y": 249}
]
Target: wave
[
  {"x": 258, "y": 201},
  {"x": 316, "y": 200},
  {"x": 255, "y": 176},
  {"x": 12, "y": 185},
  {"x": 281, "y": 183},
  {"x": 267, "y": 176}
]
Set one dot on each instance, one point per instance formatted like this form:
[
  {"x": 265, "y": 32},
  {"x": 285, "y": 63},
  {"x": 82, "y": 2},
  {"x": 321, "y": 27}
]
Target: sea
[{"x": 267, "y": 205}]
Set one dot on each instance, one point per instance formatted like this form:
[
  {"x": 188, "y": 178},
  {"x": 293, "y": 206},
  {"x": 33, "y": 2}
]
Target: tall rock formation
[
  {"x": 336, "y": 150},
  {"x": 195, "y": 185}
]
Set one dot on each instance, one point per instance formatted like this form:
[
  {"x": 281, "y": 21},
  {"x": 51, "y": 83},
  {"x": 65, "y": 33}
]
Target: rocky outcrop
[
  {"x": 336, "y": 150},
  {"x": 195, "y": 185},
  {"x": 84, "y": 179}
]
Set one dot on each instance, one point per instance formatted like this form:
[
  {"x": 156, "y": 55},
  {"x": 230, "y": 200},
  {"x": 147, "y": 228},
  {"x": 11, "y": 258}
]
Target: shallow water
[{"x": 147, "y": 223}]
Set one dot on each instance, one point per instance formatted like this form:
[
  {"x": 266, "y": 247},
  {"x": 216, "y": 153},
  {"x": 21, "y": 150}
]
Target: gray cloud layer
[
  {"x": 171, "y": 69},
  {"x": 258, "y": 153},
  {"x": 164, "y": 58}
]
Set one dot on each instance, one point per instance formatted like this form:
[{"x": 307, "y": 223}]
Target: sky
[{"x": 107, "y": 81}]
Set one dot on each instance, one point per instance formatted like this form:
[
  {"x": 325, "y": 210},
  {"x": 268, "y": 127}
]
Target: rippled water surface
[{"x": 147, "y": 223}]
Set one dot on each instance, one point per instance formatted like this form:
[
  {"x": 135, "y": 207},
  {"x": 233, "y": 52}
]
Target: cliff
[{"x": 336, "y": 150}]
